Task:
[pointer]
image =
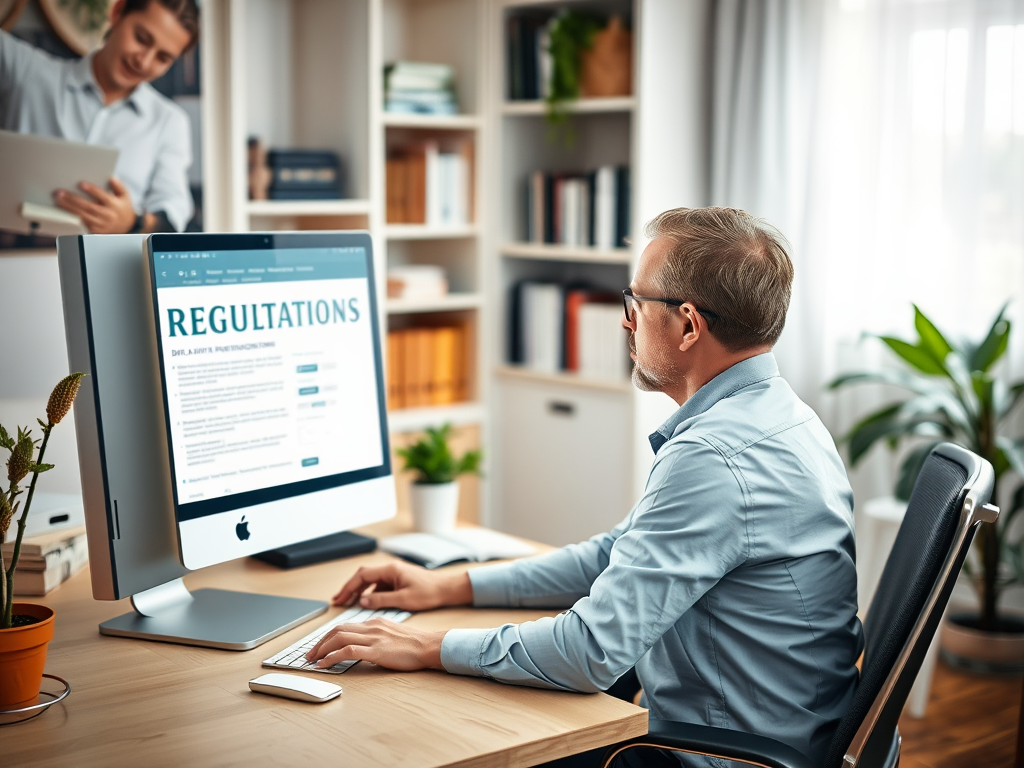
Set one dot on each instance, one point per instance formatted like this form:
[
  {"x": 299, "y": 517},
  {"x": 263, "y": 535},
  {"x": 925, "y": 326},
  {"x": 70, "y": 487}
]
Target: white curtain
[{"x": 885, "y": 138}]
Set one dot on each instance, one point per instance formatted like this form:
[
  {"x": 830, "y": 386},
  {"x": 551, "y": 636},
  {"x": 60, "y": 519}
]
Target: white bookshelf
[
  {"x": 416, "y": 419},
  {"x": 269, "y": 208},
  {"x": 450, "y": 303},
  {"x": 433, "y": 122},
  {"x": 578, "y": 107},
  {"x": 308, "y": 74},
  {"x": 548, "y": 252},
  {"x": 427, "y": 232},
  {"x": 571, "y": 454}
]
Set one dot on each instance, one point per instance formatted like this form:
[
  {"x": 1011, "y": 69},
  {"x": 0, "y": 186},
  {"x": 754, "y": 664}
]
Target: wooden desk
[{"x": 155, "y": 704}]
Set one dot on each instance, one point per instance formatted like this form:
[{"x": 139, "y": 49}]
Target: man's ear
[{"x": 691, "y": 325}]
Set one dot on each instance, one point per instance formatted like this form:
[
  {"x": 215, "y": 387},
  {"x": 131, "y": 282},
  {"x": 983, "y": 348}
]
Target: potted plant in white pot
[
  {"x": 25, "y": 628},
  {"x": 955, "y": 397},
  {"x": 435, "y": 489}
]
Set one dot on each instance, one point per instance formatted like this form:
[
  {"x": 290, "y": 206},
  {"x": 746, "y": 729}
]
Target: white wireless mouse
[{"x": 295, "y": 687}]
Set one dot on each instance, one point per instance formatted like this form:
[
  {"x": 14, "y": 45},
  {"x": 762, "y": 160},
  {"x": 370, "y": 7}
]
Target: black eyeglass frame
[{"x": 628, "y": 296}]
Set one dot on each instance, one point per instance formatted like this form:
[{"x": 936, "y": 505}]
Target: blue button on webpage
[
  {"x": 308, "y": 390},
  {"x": 311, "y": 368},
  {"x": 310, "y": 462}
]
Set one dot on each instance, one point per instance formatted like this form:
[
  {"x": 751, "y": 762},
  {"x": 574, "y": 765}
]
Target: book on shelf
[
  {"x": 556, "y": 327},
  {"x": 417, "y": 281},
  {"x": 429, "y": 184},
  {"x": 47, "y": 560},
  {"x": 428, "y": 366},
  {"x": 579, "y": 209},
  {"x": 413, "y": 87},
  {"x": 463, "y": 544},
  {"x": 529, "y": 58},
  {"x": 304, "y": 174}
]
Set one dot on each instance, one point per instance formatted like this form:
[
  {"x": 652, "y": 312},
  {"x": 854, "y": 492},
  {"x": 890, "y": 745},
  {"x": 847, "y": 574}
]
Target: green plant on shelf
[
  {"x": 90, "y": 15},
  {"x": 955, "y": 397},
  {"x": 432, "y": 459},
  {"x": 570, "y": 34}
]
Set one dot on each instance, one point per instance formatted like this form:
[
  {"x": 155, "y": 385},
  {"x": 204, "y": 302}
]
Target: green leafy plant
[
  {"x": 570, "y": 34},
  {"x": 91, "y": 15},
  {"x": 433, "y": 461},
  {"x": 955, "y": 397},
  {"x": 23, "y": 462}
]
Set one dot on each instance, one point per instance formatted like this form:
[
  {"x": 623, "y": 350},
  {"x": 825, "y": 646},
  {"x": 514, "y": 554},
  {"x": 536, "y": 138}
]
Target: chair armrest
[{"x": 718, "y": 742}]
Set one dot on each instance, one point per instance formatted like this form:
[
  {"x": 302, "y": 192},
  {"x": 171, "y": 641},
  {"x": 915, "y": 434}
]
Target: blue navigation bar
[{"x": 199, "y": 268}]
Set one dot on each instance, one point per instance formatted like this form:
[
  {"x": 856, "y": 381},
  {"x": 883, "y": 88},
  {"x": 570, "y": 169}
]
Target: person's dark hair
[
  {"x": 730, "y": 264},
  {"x": 186, "y": 11}
]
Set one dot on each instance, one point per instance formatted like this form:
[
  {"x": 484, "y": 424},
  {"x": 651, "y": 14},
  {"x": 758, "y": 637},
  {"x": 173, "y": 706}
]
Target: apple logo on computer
[{"x": 242, "y": 530}]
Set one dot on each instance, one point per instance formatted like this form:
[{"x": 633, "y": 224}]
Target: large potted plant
[
  {"x": 956, "y": 397},
  {"x": 435, "y": 490},
  {"x": 25, "y": 628}
]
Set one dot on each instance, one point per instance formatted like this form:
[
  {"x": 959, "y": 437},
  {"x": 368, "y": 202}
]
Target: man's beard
[{"x": 644, "y": 380}]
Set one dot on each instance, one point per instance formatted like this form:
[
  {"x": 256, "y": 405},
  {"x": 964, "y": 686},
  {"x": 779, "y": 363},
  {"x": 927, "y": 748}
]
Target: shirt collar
[
  {"x": 82, "y": 78},
  {"x": 730, "y": 381}
]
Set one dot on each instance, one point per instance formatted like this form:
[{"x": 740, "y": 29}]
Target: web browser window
[{"x": 269, "y": 371}]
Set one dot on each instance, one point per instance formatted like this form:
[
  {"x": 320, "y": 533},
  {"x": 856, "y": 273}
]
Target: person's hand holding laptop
[{"x": 56, "y": 187}]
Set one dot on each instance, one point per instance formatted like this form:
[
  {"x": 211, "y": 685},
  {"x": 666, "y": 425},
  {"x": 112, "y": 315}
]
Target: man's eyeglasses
[{"x": 630, "y": 300}]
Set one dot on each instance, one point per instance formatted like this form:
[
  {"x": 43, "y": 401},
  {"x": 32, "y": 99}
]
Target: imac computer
[{"x": 234, "y": 404}]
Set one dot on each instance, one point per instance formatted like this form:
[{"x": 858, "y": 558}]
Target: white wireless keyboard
[{"x": 294, "y": 656}]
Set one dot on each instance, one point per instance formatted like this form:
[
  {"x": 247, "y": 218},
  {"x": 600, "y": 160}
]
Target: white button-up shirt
[{"x": 48, "y": 96}]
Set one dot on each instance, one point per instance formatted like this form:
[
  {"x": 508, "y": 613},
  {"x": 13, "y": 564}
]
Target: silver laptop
[{"x": 34, "y": 167}]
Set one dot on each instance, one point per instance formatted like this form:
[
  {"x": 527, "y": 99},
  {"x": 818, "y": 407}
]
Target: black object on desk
[{"x": 320, "y": 550}]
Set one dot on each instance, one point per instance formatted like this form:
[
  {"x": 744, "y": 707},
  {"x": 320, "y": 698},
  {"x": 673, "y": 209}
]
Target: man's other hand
[
  {"x": 102, "y": 212},
  {"x": 382, "y": 642},
  {"x": 405, "y": 586}
]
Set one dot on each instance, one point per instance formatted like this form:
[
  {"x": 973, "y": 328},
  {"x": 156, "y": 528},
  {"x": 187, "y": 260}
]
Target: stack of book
[
  {"x": 47, "y": 559},
  {"x": 428, "y": 185},
  {"x": 428, "y": 366},
  {"x": 416, "y": 281},
  {"x": 304, "y": 174},
  {"x": 529, "y": 60},
  {"x": 557, "y": 327},
  {"x": 419, "y": 88},
  {"x": 583, "y": 209}
]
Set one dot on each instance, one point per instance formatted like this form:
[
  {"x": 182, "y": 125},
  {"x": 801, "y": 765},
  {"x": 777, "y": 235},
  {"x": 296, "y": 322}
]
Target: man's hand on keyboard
[
  {"x": 402, "y": 585},
  {"x": 381, "y": 642}
]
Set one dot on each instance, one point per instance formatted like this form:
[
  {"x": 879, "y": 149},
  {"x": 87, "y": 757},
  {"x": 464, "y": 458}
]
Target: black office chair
[{"x": 949, "y": 502}]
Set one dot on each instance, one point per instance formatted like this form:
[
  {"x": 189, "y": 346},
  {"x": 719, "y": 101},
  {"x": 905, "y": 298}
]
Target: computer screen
[
  {"x": 210, "y": 427},
  {"x": 272, "y": 386}
]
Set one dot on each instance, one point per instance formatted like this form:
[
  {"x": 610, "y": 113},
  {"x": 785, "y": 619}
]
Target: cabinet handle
[{"x": 561, "y": 408}]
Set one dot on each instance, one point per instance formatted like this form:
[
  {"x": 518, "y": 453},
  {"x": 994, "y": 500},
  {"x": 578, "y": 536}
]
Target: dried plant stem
[{"x": 22, "y": 521}]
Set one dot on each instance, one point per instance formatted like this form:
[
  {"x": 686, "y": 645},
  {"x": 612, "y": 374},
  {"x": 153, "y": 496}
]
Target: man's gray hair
[{"x": 730, "y": 265}]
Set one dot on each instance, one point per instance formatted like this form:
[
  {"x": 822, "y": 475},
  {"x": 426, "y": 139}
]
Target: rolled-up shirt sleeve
[
  {"x": 168, "y": 189},
  {"x": 688, "y": 530}
]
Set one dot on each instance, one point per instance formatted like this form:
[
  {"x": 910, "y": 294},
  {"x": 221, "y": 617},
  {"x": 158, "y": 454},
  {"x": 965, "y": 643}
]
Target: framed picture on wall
[
  {"x": 81, "y": 24},
  {"x": 10, "y": 10}
]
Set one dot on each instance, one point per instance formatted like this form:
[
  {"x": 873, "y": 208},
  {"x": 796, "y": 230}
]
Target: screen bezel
[{"x": 163, "y": 243}]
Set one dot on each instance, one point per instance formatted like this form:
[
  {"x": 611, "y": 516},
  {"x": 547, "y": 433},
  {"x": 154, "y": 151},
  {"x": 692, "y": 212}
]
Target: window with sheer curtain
[
  {"x": 919, "y": 172},
  {"x": 886, "y": 139}
]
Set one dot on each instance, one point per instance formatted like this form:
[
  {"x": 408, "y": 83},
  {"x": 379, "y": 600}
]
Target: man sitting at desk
[
  {"x": 105, "y": 98},
  {"x": 731, "y": 585}
]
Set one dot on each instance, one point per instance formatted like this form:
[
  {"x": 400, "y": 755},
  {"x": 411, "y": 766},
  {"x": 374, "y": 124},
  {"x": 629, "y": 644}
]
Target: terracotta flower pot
[
  {"x": 966, "y": 647},
  {"x": 23, "y": 656}
]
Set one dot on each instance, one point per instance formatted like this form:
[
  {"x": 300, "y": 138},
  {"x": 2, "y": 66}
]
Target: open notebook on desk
[{"x": 472, "y": 544}]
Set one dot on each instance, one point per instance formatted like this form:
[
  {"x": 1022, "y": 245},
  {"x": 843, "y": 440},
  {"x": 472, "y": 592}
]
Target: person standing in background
[{"x": 106, "y": 98}]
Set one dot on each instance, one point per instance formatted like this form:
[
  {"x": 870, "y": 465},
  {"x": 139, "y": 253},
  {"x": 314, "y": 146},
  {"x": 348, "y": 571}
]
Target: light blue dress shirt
[
  {"x": 47, "y": 96},
  {"x": 730, "y": 585}
]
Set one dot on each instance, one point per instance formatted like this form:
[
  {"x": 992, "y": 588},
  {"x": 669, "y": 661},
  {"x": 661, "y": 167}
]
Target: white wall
[{"x": 33, "y": 358}]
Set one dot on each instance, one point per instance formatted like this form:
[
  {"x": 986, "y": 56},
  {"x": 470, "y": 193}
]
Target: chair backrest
[{"x": 949, "y": 502}]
